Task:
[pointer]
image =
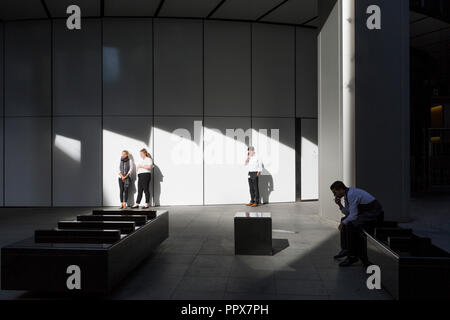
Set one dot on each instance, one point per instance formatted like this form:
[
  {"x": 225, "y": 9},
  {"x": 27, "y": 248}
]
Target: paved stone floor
[{"x": 198, "y": 261}]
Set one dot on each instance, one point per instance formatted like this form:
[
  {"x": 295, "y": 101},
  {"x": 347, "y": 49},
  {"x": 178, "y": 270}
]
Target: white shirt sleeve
[
  {"x": 260, "y": 169},
  {"x": 131, "y": 167}
]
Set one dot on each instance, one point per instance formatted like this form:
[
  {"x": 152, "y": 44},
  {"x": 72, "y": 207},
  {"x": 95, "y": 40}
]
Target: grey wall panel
[
  {"x": 306, "y": 73},
  {"x": 28, "y": 161},
  {"x": 28, "y": 67},
  {"x": 273, "y": 78},
  {"x": 1, "y": 69},
  {"x": 309, "y": 160},
  {"x": 89, "y": 8},
  {"x": 330, "y": 119},
  {"x": 77, "y": 161},
  {"x": 77, "y": 69},
  {"x": 178, "y": 67},
  {"x": 227, "y": 68},
  {"x": 21, "y": 9},
  {"x": 382, "y": 107},
  {"x": 1, "y": 163},
  {"x": 127, "y": 67}
]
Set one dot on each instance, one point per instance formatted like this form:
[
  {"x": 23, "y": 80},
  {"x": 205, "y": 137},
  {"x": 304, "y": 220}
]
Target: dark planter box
[
  {"x": 252, "y": 233},
  {"x": 27, "y": 265},
  {"x": 411, "y": 266}
]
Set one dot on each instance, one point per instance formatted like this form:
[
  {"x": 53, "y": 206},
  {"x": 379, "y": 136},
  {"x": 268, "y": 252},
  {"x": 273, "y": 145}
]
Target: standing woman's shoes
[
  {"x": 135, "y": 206},
  {"x": 145, "y": 206},
  {"x": 121, "y": 206}
]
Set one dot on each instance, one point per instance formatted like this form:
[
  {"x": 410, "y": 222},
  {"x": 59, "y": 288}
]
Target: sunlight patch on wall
[
  {"x": 70, "y": 147},
  {"x": 113, "y": 144}
]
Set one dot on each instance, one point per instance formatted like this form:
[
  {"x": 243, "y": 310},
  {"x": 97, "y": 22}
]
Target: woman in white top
[
  {"x": 144, "y": 169},
  {"x": 125, "y": 168}
]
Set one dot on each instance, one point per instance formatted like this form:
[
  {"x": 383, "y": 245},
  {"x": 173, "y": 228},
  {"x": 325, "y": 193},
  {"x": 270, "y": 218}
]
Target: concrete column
[
  {"x": 364, "y": 103},
  {"x": 382, "y": 105}
]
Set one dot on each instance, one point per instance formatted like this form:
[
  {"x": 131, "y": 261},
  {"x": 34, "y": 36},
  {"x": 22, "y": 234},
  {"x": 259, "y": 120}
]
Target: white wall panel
[
  {"x": 77, "y": 161},
  {"x": 273, "y": 71},
  {"x": 178, "y": 67},
  {"x": 179, "y": 160},
  {"x": 306, "y": 73},
  {"x": 330, "y": 114},
  {"x": 227, "y": 69},
  {"x": 77, "y": 84},
  {"x": 226, "y": 142},
  {"x": 309, "y": 160},
  {"x": 28, "y": 68},
  {"x": 123, "y": 133},
  {"x": 127, "y": 67},
  {"x": 274, "y": 140},
  {"x": 28, "y": 161}
]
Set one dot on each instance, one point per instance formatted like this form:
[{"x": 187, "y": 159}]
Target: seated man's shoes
[
  {"x": 341, "y": 254},
  {"x": 348, "y": 262}
]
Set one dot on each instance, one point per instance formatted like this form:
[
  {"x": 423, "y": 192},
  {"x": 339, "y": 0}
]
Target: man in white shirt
[{"x": 254, "y": 171}]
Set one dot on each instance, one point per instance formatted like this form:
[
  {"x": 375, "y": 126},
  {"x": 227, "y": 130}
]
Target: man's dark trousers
[
  {"x": 254, "y": 188},
  {"x": 344, "y": 235},
  {"x": 370, "y": 216}
]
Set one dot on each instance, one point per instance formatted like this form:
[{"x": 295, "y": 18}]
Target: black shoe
[
  {"x": 348, "y": 262},
  {"x": 341, "y": 254}
]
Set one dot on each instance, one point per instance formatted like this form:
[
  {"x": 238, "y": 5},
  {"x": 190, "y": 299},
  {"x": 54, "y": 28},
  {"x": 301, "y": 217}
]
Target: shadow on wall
[
  {"x": 265, "y": 185},
  {"x": 155, "y": 185}
]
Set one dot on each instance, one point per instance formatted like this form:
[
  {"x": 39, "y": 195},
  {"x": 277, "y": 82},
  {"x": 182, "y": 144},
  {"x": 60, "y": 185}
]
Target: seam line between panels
[
  {"x": 102, "y": 106},
  {"x": 51, "y": 112},
  {"x": 251, "y": 84},
  {"x": 153, "y": 109},
  {"x": 4, "y": 108},
  {"x": 203, "y": 113}
]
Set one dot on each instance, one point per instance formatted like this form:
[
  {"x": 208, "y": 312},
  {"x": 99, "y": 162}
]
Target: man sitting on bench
[{"x": 361, "y": 210}]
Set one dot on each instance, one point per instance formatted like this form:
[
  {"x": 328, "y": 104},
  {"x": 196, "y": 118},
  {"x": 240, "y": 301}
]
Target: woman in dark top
[{"x": 125, "y": 168}]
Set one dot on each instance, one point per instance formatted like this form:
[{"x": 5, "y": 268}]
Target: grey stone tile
[
  {"x": 294, "y": 297},
  {"x": 208, "y": 272},
  {"x": 213, "y": 261},
  {"x": 203, "y": 284},
  {"x": 249, "y": 296},
  {"x": 251, "y": 285},
  {"x": 158, "y": 288},
  {"x": 172, "y": 258},
  {"x": 300, "y": 287},
  {"x": 197, "y": 295}
]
